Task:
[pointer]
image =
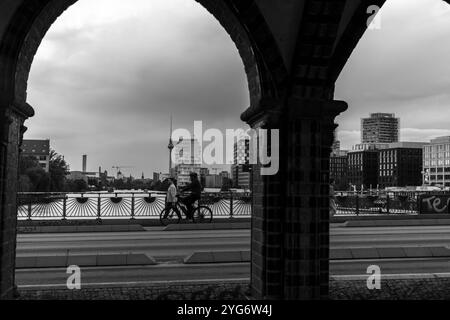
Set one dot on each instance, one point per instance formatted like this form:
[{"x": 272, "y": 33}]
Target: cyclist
[{"x": 195, "y": 188}]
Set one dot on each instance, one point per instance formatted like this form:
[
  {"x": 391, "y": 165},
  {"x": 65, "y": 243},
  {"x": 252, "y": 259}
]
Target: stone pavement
[{"x": 433, "y": 288}]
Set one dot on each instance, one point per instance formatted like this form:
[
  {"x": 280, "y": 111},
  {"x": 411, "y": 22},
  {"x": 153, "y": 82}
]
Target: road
[{"x": 169, "y": 249}]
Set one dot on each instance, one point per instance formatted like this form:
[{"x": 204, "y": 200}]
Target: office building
[
  {"x": 240, "y": 170},
  {"x": 188, "y": 158},
  {"x": 363, "y": 168},
  {"x": 400, "y": 165},
  {"x": 380, "y": 128},
  {"x": 38, "y": 149},
  {"x": 213, "y": 181},
  {"x": 339, "y": 169},
  {"x": 436, "y": 162}
]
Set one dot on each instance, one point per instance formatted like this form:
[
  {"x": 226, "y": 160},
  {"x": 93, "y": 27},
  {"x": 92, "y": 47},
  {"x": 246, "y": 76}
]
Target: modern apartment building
[
  {"x": 400, "y": 165},
  {"x": 339, "y": 169},
  {"x": 363, "y": 167},
  {"x": 436, "y": 162},
  {"x": 188, "y": 158},
  {"x": 38, "y": 149},
  {"x": 240, "y": 169},
  {"x": 380, "y": 128}
]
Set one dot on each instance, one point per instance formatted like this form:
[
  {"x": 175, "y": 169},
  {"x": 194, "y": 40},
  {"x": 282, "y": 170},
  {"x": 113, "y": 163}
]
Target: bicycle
[{"x": 200, "y": 214}]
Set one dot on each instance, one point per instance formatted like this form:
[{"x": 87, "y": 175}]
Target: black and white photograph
[{"x": 224, "y": 155}]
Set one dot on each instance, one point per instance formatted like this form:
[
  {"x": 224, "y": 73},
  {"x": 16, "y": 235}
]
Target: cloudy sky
[
  {"x": 403, "y": 68},
  {"x": 110, "y": 72}
]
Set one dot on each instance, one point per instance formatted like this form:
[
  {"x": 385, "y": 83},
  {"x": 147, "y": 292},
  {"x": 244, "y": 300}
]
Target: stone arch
[
  {"x": 28, "y": 23},
  {"x": 244, "y": 23}
]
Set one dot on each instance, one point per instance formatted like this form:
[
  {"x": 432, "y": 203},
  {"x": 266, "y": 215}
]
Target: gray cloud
[
  {"x": 401, "y": 68},
  {"x": 106, "y": 86}
]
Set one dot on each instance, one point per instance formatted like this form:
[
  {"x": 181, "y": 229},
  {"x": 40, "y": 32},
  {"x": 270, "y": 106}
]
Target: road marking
[
  {"x": 399, "y": 276},
  {"x": 209, "y": 281},
  {"x": 138, "y": 283}
]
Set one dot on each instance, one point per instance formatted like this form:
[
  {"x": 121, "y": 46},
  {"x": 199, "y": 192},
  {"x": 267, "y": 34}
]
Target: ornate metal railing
[
  {"x": 378, "y": 203},
  {"x": 133, "y": 205}
]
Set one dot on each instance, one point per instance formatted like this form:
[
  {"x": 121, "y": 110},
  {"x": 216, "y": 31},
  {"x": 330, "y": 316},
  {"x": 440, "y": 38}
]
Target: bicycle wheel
[
  {"x": 169, "y": 218},
  {"x": 203, "y": 215}
]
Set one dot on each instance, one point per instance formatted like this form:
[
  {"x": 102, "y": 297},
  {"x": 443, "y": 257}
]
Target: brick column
[
  {"x": 10, "y": 138},
  {"x": 290, "y": 222}
]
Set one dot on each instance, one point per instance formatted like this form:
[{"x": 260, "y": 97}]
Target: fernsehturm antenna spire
[{"x": 171, "y": 146}]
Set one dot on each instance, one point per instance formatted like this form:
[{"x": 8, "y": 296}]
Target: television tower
[{"x": 171, "y": 146}]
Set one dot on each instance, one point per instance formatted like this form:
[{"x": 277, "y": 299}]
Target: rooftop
[{"x": 36, "y": 147}]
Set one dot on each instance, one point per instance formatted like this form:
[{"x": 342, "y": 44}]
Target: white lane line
[
  {"x": 137, "y": 283},
  {"x": 399, "y": 276},
  {"x": 208, "y": 281}
]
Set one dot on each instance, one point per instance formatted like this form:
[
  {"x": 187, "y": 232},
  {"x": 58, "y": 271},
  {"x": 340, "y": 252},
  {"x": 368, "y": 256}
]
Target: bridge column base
[
  {"x": 11, "y": 134},
  {"x": 290, "y": 222}
]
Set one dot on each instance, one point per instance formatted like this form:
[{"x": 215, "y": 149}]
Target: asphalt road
[{"x": 169, "y": 248}]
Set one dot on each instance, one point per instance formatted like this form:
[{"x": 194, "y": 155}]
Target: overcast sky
[
  {"x": 110, "y": 72},
  {"x": 401, "y": 68}
]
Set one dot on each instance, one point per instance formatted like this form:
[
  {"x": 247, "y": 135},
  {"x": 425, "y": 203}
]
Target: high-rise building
[
  {"x": 336, "y": 147},
  {"x": 188, "y": 151},
  {"x": 339, "y": 169},
  {"x": 38, "y": 149},
  {"x": 213, "y": 181},
  {"x": 363, "y": 168},
  {"x": 240, "y": 169},
  {"x": 436, "y": 162},
  {"x": 84, "y": 164},
  {"x": 188, "y": 158},
  {"x": 380, "y": 128},
  {"x": 400, "y": 165}
]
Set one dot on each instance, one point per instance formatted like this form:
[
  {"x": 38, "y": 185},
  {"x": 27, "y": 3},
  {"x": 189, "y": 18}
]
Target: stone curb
[
  {"x": 354, "y": 222},
  {"x": 85, "y": 260},
  {"x": 218, "y": 257},
  {"x": 335, "y": 254},
  {"x": 208, "y": 226},
  {"x": 389, "y": 253},
  {"x": 76, "y": 229}
]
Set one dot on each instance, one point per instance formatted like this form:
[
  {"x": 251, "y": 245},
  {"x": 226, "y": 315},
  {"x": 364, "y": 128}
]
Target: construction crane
[{"x": 119, "y": 169}]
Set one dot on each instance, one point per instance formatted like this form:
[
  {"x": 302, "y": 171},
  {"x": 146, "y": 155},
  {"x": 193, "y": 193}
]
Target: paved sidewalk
[{"x": 429, "y": 288}]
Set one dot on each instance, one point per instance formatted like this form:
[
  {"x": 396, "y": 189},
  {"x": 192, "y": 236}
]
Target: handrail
[{"x": 120, "y": 204}]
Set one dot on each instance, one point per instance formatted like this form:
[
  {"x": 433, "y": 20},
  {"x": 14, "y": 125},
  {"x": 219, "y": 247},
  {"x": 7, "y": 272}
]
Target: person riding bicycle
[{"x": 195, "y": 187}]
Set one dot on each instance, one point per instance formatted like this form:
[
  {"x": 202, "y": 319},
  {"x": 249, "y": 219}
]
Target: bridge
[
  {"x": 218, "y": 256},
  {"x": 293, "y": 52}
]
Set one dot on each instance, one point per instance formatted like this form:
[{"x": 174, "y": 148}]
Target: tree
[
  {"x": 33, "y": 178},
  {"x": 25, "y": 183},
  {"x": 40, "y": 180},
  {"x": 27, "y": 162},
  {"x": 77, "y": 186},
  {"x": 58, "y": 172}
]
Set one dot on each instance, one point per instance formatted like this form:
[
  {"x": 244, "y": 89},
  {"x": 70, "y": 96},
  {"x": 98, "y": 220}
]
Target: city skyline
[{"x": 67, "y": 68}]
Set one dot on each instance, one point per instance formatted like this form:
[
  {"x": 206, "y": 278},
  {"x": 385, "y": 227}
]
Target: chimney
[{"x": 84, "y": 162}]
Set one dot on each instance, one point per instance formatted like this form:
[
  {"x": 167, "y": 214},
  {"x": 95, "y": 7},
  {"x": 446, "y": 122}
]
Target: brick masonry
[
  {"x": 290, "y": 227},
  {"x": 405, "y": 289},
  {"x": 290, "y": 242},
  {"x": 19, "y": 44},
  {"x": 8, "y": 219}
]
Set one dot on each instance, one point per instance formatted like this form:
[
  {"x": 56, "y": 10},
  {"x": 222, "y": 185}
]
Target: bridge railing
[
  {"x": 132, "y": 205},
  {"x": 379, "y": 203}
]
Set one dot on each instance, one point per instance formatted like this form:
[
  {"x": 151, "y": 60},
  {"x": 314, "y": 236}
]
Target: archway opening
[
  {"x": 390, "y": 147},
  {"x": 106, "y": 87}
]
